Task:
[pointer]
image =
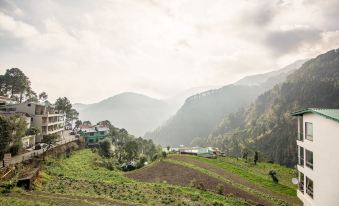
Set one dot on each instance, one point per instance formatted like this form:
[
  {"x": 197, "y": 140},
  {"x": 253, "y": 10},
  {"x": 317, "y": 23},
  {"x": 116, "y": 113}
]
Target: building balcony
[
  {"x": 301, "y": 187},
  {"x": 48, "y": 123},
  {"x": 52, "y": 131}
]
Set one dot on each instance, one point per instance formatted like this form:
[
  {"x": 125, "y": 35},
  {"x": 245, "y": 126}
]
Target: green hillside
[
  {"x": 196, "y": 119},
  {"x": 267, "y": 126},
  {"x": 79, "y": 181}
]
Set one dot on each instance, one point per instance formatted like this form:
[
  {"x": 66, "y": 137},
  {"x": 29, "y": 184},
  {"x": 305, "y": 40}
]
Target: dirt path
[
  {"x": 235, "y": 178},
  {"x": 184, "y": 176},
  {"x": 62, "y": 199}
]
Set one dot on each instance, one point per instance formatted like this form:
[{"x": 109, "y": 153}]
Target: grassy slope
[
  {"x": 257, "y": 174},
  {"x": 78, "y": 176}
]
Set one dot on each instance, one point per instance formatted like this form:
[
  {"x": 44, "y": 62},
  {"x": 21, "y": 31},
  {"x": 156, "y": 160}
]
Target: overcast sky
[{"x": 89, "y": 50}]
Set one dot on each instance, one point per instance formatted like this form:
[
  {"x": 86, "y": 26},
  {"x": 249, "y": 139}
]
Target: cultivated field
[
  {"x": 78, "y": 180},
  {"x": 227, "y": 176}
]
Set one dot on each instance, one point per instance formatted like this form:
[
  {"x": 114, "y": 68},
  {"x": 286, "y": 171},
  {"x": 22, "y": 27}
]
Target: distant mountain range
[
  {"x": 135, "y": 112},
  {"x": 202, "y": 112}
]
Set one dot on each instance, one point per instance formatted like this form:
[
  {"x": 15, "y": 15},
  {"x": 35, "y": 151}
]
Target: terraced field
[
  {"x": 237, "y": 177},
  {"x": 78, "y": 180}
]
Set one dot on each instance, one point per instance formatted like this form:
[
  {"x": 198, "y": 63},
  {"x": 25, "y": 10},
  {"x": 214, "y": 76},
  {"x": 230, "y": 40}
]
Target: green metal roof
[{"x": 332, "y": 114}]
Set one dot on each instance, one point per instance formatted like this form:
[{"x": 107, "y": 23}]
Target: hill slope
[
  {"x": 135, "y": 112},
  {"x": 267, "y": 125},
  {"x": 200, "y": 113}
]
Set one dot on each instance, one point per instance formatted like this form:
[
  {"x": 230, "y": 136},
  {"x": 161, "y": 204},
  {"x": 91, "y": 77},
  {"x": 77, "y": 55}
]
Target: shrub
[
  {"x": 164, "y": 154},
  {"x": 105, "y": 148},
  {"x": 220, "y": 189},
  {"x": 273, "y": 175}
]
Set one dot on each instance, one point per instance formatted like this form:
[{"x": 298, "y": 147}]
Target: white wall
[{"x": 325, "y": 148}]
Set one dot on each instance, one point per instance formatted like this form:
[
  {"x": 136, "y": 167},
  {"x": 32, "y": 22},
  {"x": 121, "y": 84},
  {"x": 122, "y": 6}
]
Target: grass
[
  {"x": 79, "y": 176},
  {"x": 258, "y": 174}
]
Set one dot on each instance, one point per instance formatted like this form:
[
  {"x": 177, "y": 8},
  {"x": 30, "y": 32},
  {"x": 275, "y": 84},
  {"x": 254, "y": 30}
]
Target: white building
[
  {"x": 43, "y": 116},
  {"x": 318, "y": 156}
]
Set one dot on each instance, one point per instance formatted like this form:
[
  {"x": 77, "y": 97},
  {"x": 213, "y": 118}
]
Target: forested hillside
[
  {"x": 267, "y": 125},
  {"x": 200, "y": 113}
]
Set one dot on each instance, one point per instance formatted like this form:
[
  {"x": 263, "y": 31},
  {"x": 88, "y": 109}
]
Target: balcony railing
[
  {"x": 309, "y": 191},
  {"x": 301, "y": 161},
  {"x": 300, "y": 136},
  {"x": 301, "y": 187},
  {"x": 309, "y": 164}
]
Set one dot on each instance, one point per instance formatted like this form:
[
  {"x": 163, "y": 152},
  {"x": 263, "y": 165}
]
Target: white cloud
[{"x": 159, "y": 47}]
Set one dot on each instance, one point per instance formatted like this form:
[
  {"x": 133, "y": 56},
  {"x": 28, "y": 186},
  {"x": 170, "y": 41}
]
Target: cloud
[
  {"x": 285, "y": 41},
  {"x": 157, "y": 47},
  {"x": 15, "y": 28}
]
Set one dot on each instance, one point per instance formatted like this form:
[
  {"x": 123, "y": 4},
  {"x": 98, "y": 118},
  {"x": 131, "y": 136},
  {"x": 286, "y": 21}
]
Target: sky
[{"x": 88, "y": 50}]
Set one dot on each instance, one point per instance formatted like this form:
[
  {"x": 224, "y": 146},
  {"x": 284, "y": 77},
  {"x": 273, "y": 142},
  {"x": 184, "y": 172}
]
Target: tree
[
  {"x": 78, "y": 123},
  {"x": 6, "y": 130},
  {"x": 43, "y": 96},
  {"x": 87, "y": 123},
  {"x": 16, "y": 83},
  {"x": 50, "y": 140},
  {"x": 32, "y": 131},
  {"x": 105, "y": 148},
  {"x": 64, "y": 105},
  {"x": 168, "y": 148},
  {"x": 131, "y": 149},
  {"x": 256, "y": 157}
]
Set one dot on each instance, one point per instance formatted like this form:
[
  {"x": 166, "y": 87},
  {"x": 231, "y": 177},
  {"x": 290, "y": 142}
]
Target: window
[
  {"x": 309, "y": 131},
  {"x": 301, "y": 182},
  {"x": 301, "y": 156},
  {"x": 91, "y": 134},
  {"x": 309, "y": 159},
  {"x": 301, "y": 128},
  {"x": 29, "y": 105},
  {"x": 309, "y": 187},
  {"x": 102, "y": 133}
]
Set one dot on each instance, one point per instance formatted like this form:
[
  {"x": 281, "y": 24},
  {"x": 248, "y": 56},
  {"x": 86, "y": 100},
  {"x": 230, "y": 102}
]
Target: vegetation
[
  {"x": 267, "y": 126},
  {"x": 64, "y": 105},
  {"x": 12, "y": 128},
  {"x": 79, "y": 178}
]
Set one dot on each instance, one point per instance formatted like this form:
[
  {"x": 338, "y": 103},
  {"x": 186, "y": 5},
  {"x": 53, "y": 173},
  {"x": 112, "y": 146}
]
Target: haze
[{"x": 89, "y": 50}]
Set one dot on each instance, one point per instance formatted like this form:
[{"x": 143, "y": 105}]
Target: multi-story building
[
  {"x": 318, "y": 163},
  {"x": 43, "y": 116},
  {"x": 93, "y": 134}
]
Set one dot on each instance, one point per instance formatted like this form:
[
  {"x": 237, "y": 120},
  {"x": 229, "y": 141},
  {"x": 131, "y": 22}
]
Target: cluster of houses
[
  {"x": 42, "y": 116},
  {"x": 208, "y": 152},
  {"x": 93, "y": 133}
]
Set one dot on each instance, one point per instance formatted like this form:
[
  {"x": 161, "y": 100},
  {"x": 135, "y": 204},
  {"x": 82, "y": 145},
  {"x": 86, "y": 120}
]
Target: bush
[
  {"x": 141, "y": 161},
  {"x": 155, "y": 157},
  {"x": 164, "y": 154},
  {"x": 273, "y": 175},
  {"x": 105, "y": 148},
  {"x": 220, "y": 189}
]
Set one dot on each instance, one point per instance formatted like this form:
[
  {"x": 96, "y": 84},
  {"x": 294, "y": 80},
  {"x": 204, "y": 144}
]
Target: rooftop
[{"x": 332, "y": 114}]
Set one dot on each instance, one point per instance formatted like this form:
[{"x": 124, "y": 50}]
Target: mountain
[
  {"x": 135, "y": 112},
  {"x": 134, "y": 108},
  {"x": 198, "y": 116},
  {"x": 275, "y": 76},
  {"x": 267, "y": 126},
  {"x": 79, "y": 106}
]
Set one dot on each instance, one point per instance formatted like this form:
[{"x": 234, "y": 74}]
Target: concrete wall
[{"x": 325, "y": 161}]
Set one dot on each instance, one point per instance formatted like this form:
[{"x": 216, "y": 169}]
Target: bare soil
[{"x": 184, "y": 176}]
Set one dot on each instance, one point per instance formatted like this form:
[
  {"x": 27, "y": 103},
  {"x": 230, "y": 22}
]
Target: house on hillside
[
  {"x": 318, "y": 163},
  {"x": 43, "y": 117},
  {"x": 93, "y": 134}
]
